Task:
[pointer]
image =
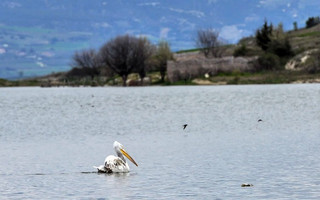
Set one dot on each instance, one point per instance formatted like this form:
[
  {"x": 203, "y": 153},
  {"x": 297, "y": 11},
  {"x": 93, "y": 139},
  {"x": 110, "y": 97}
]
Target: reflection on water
[{"x": 51, "y": 137}]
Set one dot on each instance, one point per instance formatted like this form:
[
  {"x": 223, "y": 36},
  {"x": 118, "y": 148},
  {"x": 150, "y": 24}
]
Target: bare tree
[
  {"x": 208, "y": 42},
  {"x": 87, "y": 62},
  {"x": 118, "y": 54},
  {"x": 125, "y": 54},
  {"x": 162, "y": 55},
  {"x": 143, "y": 50}
]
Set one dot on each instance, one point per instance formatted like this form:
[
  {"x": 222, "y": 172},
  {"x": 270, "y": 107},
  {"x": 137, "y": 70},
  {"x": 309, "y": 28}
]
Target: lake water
[{"x": 51, "y": 137}]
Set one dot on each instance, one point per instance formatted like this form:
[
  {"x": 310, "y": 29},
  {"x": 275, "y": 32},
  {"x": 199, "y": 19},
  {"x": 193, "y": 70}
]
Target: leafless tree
[
  {"x": 125, "y": 54},
  {"x": 87, "y": 62},
  {"x": 208, "y": 42},
  {"x": 118, "y": 54},
  {"x": 143, "y": 49}
]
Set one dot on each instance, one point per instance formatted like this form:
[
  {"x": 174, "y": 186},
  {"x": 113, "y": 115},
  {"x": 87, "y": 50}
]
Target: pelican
[{"x": 117, "y": 163}]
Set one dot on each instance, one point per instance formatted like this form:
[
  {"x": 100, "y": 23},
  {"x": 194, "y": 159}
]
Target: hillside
[
  {"x": 303, "y": 67},
  {"x": 300, "y": 40},
  {"x": 304, "y": 39}
]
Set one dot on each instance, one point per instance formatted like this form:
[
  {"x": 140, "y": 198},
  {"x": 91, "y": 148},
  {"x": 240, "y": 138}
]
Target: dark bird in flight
[
  {"x": 260, "y": 120},
  {"x": 184, "y": 126}
]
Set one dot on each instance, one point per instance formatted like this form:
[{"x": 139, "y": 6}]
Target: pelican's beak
[{"x": 128, "y": 156}]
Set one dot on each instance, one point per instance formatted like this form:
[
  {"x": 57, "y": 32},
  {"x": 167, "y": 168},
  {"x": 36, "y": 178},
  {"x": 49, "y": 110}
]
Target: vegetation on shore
[
  {"x": 7, "y": 83},
  {"x": 142, "y": 63},
  {"x": 235, "y": 78}
]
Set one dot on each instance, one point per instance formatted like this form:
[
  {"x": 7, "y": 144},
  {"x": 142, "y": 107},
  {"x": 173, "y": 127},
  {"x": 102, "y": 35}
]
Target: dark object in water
[
  {"x": 246, "y": 185},
  {"x": 184, "y": 126},
  {"x": 105, "y": 170}
]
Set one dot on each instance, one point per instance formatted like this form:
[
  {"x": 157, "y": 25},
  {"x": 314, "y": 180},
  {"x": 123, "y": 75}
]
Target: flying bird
[
  {"x": 185, "y": 126},
  {"x": 260, "y": 120},
  {"x": 116, "y": 164}
]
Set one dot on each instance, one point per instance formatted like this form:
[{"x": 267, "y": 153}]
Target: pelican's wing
[
  {"x": 101, "y": 168},
  {"x": 116, "y": 164}
]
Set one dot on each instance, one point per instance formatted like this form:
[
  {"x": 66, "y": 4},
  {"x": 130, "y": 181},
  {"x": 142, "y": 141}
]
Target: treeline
[
  {"x": 122, "y": 56},
  {"x": 128, "y": 54},
  {"x": 312, "y": 21}
]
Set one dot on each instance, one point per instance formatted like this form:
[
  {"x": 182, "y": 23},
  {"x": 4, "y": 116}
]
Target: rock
[{"x": 298, "y": 62}]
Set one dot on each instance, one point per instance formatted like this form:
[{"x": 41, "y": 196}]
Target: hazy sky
[{"x": 174, "y": 20}]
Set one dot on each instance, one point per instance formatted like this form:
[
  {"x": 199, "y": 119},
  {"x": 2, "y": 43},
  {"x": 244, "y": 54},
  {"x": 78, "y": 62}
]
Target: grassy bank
[
  {"x": 19, "y": 83},
  {"x": 237, "y": 78},
  {"x": 268, "y": 77}
]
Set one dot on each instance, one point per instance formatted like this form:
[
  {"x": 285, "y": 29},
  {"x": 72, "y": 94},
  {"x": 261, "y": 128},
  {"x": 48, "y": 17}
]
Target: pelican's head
[{"x": 120, "y": 150}]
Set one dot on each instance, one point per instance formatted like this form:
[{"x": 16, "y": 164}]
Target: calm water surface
[{"x": 51, "y": 137}]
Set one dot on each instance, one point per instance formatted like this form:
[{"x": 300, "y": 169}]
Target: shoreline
[
  {"x": 273, "y": 77},
  {"x": 298, "y": 82}
]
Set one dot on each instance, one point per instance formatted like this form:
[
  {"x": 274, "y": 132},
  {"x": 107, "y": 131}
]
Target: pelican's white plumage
[{"x": 117, "y": 163}]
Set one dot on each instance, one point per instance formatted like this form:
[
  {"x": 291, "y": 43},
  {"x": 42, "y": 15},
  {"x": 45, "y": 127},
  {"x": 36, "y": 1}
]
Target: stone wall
[{"x": 192, "y": 68}]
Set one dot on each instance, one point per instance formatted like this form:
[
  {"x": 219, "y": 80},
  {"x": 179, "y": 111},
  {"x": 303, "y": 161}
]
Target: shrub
[
  {"x": 312, "y": 64},
  {"x": 240, "y": 51},
  {"x": 267, "y": 61},
  {"x": 280, "y": 47}
]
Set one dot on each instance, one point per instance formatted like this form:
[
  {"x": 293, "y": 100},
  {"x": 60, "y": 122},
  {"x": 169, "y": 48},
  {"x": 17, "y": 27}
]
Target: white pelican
[{"x": 116, "y": 163}]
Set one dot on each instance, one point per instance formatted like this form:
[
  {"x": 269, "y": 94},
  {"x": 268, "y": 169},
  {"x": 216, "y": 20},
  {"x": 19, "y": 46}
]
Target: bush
[
  {"x": 267, "y": 61},
  {"x": 312, "y": 64},
  {"x": 280, "y": 47},
  {"x": 240, "y": 51}
]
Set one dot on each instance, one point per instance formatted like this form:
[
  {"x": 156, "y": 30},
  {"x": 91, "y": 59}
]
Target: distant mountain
[{"x": 38, "y": 37}]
